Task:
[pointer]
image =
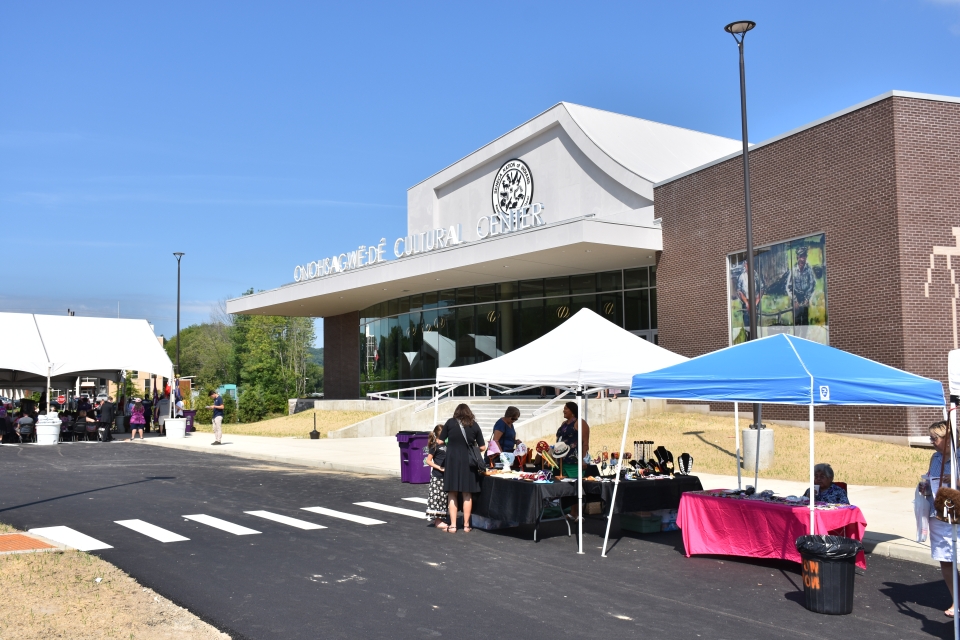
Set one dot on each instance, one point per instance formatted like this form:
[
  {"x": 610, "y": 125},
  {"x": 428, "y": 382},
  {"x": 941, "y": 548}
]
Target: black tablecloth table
[
  {"x": 522, "y": 502},
  {"x": 643, "y": 495}
]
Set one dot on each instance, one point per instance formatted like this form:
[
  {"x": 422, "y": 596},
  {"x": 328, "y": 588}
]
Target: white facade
[{"x": 593, "y": 172}]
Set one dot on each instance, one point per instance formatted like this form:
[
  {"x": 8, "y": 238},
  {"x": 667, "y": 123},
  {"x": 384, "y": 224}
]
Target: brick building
[
  {"x": 874, "y": 193},
  {"x": 642, "y": 222}
]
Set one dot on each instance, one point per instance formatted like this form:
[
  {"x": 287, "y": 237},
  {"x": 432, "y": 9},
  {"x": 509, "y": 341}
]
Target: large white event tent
[
  {"x": 38, "y": 350},
  {"x": 583, "y": 355}
]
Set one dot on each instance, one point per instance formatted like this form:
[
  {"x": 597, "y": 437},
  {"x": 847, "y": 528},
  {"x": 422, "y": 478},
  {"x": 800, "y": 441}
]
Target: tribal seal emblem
[{"x": 513, "y": 187}]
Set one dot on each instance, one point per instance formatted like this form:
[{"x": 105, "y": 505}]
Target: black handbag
[{"x": 477, "y": 464}]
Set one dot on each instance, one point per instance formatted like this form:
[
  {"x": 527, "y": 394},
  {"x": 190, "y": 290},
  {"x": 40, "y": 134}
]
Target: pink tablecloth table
[{"x": 756, "y": 529}]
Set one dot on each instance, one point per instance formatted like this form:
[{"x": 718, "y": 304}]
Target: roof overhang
[{"x": 579, "y": 245}]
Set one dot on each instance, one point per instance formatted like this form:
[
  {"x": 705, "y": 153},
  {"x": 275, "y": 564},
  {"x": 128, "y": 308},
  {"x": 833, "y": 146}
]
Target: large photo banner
[{"x": 790, "y": 290}]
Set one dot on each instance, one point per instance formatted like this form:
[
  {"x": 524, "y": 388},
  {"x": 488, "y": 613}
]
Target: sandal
[
  {"x": 467, "y": 529},
  {"x": 949, "y": 612},
  {"x": 442, "y": 526},
  {"x": 451, "y": 529}
]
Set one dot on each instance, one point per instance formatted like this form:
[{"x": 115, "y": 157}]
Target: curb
[
  {"x": 910, "y": 552},
  {"x": 300, "y": 462}
]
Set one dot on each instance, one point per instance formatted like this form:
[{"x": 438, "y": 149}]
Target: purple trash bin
[
  {"x": 190, "y": 415},
  {"x": 413, "y": 453}
]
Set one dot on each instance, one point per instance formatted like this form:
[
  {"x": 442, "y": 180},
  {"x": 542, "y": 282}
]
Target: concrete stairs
[{"x": 488, "y": 412}]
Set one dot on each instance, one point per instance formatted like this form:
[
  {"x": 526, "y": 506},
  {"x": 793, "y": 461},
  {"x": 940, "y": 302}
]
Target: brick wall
[
  {"x": 928, "y": 203},
  {"x": 865, "y": 180},
  {"x": 341, "y": 356}
]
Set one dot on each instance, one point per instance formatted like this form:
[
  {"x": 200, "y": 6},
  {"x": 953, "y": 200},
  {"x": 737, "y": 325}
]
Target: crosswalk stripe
[
  {"x": 417, "y": 500},
  {"x": 151, "y": 530},
  {"x": 223, "y": 525},
  {"x": 343, "y": 516},
  {"x": 293, "y": 522},
  {"x": 71, "y": 538},
  {"x": 386, "y": 507}
]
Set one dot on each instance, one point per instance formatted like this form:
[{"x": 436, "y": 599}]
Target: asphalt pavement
[{"x": 255, "y": 565}]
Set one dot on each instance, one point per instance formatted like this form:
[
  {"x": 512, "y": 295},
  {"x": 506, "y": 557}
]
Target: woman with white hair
[
  {"x": 941, "y": 546},
  {"x": 829, "y": 492}
]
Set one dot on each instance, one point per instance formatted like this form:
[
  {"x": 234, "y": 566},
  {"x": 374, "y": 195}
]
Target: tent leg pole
[
  {"x": 953, "y": 485},
  {"x": 436, "y": 406},
  {"x": 812, "y": 503},
  {"x": 756, "y": 464},
  {"x": 616, "y": 481},
  {"x": 580, "y": 421},
  {"x": 736, "y": 425}
]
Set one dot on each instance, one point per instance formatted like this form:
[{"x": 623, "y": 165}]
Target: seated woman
[{"x": 829, "y": 492}]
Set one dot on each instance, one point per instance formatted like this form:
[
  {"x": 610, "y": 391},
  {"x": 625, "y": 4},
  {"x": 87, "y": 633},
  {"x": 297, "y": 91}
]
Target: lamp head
[{"x": 739, "y": 27}]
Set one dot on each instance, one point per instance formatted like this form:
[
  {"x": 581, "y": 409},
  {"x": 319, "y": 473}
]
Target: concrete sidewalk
[
  {"x": 373, "y": 456},
  {"x": 891, "y": 526}
]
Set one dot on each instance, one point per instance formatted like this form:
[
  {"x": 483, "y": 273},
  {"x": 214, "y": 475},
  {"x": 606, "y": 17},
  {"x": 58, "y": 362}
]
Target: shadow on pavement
[
  {"x": 80, "y": 493},
  {"x": 908, "y": 598}
]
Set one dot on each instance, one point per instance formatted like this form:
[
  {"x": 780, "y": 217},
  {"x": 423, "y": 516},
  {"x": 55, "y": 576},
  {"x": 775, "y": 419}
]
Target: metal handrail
[
  {"x": 385, "y": 395},
  {"x": 436, "y": 398}
]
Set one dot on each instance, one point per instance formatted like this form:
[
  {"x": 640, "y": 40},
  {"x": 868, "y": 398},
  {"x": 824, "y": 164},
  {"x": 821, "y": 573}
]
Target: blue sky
[{"x": 255, "y": 135}]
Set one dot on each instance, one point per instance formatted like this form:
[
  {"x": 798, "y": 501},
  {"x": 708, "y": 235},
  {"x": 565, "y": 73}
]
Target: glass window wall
[{"x": 403, "y": 341}]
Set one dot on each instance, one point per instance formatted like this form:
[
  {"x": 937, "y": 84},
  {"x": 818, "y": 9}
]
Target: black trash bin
[{"x": 829, "y": 564}]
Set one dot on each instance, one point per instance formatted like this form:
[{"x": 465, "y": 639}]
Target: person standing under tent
[
  {"x": 567, "y": 434},
  {"x": 137, "y": 419},
  {"x": 941, "y": 535},
  {"x": 461, "y": 432},
  {"x": 503, "y": 432},
  {"x": 217, "y": 407},
  {"x": 147, "y": 413},
  {"x": 108, "y": 413}
]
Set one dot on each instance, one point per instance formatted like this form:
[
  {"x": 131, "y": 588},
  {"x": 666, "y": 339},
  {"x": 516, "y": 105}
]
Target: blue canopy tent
[{"x": 782, "y": 369}]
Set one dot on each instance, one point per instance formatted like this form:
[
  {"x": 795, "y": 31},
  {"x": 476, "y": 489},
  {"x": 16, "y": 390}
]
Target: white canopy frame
[
  {"x": 36, "y": 349},
  {"x": 584, "y": 355}
]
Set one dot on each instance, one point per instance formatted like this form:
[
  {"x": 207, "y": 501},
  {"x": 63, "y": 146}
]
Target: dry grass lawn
[
  {"x": 56, "y": 595},
  {"x": 710, "y": 440},
  {"x": 299, "y": 425}
]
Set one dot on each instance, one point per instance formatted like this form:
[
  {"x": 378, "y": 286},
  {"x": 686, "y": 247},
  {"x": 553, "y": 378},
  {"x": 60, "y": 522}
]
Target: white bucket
[
  {"x": 175, "y": 427},
  {"x": 48, "y": 430}
]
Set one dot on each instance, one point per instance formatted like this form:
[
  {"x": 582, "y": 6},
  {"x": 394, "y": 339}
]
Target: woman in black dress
[{"x": 461, "y": 432}]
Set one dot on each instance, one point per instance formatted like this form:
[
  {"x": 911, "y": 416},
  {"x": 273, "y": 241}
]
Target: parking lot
[{"x": 272, "y": 551}]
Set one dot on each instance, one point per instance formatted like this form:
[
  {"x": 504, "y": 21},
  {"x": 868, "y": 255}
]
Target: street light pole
[
  {"x": 178, "y": 255},
  {"x": 739, "y": 31}
]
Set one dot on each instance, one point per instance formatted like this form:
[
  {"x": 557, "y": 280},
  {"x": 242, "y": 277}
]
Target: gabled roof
[
  {"x": 651, "y": 150},
  {"x": 635, "y": 152}
]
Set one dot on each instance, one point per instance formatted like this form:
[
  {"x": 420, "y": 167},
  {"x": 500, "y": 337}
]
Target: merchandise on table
[{"x": 770, "y": 496}]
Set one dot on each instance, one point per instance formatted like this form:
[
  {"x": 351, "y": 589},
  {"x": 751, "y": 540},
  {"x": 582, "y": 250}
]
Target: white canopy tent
[
  {"x": 584, "y": 354},
  {"x": 38, "y": 349}
]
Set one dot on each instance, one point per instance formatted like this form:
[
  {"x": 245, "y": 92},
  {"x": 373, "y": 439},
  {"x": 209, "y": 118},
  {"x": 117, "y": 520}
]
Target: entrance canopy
[
  {"x": 782, "y": 369},
  {"x": 33, "y": 346},
  {"x": 585, "y": 350}
]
